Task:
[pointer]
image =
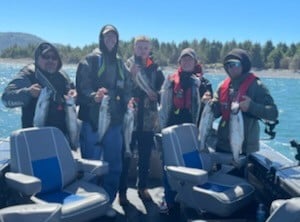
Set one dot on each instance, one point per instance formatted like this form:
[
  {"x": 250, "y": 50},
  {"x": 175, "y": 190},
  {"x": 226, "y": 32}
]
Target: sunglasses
[
  {"x": 52, "y": 57},
  {"x": 232, "y": 64}
]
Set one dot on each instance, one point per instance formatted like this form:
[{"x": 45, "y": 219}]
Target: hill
[{"x": 9, "y": 39}]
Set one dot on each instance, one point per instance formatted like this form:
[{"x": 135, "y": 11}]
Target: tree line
[{"x": 211, "y": 53}]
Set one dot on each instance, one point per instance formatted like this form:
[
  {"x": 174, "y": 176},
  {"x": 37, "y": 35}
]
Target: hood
[
  {"x": 45, "y": 47},
  {"x": 103, "y": 49},
  {"x": 240, "y": 55}
]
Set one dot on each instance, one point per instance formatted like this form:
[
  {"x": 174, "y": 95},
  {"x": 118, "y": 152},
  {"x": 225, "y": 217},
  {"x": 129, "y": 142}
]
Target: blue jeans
[{"x": 110, "y": 149}]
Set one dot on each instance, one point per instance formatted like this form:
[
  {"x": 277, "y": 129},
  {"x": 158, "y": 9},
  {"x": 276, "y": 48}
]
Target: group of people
[{"x": 138, "y": 83}]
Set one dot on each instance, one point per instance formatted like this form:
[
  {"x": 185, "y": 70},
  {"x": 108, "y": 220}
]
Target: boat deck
[{"x": 139, "y": 211}]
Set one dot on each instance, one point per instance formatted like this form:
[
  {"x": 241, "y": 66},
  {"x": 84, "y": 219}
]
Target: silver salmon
[
  {"x": 104, "y": 117},
  {"x": 196, "y": 100},
  {"x": 72, "y": 122},
  {"x": 41, "y": 108},
  {"x": 128, "y": 127},
  {"x": 142, "y": 82},
  {"x": 205, "y": 125},
  {"x": 165, "y": 105},
  {"x": 236, "y": 132}
]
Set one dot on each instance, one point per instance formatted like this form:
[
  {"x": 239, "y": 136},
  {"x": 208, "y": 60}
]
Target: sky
[{"x": 78, "y": 22}]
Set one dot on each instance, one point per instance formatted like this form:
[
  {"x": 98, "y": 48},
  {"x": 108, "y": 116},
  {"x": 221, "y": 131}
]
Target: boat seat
[
  {"x": 285, "y": 210},
  {"x": 31, "y": 212},
  {"x": 191, "y": 174},
  {"x": 44, "y": 170}
]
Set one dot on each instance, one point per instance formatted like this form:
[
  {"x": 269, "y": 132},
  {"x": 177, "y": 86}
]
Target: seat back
[
  {"x": 289, "y": 210},
  {"x": 180, "y": 147},
  {"x": 43, "y": 153},
  {"x": 221, "y": 194}
]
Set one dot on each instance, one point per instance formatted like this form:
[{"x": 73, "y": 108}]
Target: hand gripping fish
[
  {"x": 104, "y": 117},
  {"x": 71, "y": 121},
  {"x": 41, "y": 108},
  {"x": 205, "y": 126},
  {"x": 165, "y": 106},
  {"x": 128, "y": 127},
  {"x": 236, "y": 132}
]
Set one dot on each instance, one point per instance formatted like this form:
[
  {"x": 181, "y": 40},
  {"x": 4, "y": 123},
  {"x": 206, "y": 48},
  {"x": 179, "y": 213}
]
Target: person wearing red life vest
[{"x": 255, "y": 101}]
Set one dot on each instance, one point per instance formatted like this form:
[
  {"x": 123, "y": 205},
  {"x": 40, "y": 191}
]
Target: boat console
[{"x": 273, "y": 175}]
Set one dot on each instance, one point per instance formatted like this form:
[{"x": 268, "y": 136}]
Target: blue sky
[{"x": 77, "y": 22}]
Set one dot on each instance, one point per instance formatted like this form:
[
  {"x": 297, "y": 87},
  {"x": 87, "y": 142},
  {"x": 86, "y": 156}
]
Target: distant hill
[{"x": 9, "y": 39}]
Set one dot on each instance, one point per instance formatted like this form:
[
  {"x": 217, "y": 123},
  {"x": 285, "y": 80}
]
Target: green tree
[
  {"x": 274, "y": 59},
  {"x": 256, "y": 56},
  {"x": 267, "y": 49}
]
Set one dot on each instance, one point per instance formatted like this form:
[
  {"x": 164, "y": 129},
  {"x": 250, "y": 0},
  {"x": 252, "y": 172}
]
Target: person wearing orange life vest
[
  {"x": 190, "y": 90},
  {"x": 255, "y": 101}
]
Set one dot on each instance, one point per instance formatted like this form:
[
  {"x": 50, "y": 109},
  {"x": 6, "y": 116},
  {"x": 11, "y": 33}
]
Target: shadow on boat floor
[{"x": 148, "y": 211}]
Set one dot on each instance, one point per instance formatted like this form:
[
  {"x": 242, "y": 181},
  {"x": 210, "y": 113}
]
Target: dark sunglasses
[
  {"x": 232, "y": 64},
  {"x": 52, "y": 57}
]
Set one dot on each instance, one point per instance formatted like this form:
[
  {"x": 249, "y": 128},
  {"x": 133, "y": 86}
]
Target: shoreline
[{"x": 282, "y": 73}]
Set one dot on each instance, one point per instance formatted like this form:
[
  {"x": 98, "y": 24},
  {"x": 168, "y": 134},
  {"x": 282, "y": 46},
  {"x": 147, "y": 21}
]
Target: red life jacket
[
  {"x": 224, "y": 94},
  {"x": 183, "y": 98}
]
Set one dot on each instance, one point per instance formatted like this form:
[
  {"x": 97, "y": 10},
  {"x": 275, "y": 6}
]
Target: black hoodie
[
  {"x": 17, "y": 93},
  {"x": 110, "y": 55},
  {"x": 241, "y": 55}
]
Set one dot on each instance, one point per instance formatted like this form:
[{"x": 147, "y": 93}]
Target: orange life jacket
[
  {"x": 224, "y": 94},
  {"x": 182, "y": 99}
]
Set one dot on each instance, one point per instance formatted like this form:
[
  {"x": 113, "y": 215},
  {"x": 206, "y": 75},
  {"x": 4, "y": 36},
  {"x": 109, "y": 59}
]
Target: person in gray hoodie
[{"x": 253, "y": 97}]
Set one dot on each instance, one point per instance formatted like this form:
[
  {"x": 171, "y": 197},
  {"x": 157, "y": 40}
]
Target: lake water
[{"x": 285, "y": 91}]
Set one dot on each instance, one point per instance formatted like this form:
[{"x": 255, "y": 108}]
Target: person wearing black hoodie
[
  {"x": 255, "y": 101},
  {"x": 23, "y": 91},
  {"x": 101, "y": 73}
]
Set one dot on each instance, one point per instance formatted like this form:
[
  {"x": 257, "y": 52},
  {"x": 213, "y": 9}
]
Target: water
[{"x": 285, "y": 91}]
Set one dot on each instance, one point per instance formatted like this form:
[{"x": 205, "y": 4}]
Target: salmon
[
  {"x": 104, "y": 117},
  {"x": 236, "y": 132},
  {"x": 205, "y": 125},
  {"x": 41, "y": 108}
]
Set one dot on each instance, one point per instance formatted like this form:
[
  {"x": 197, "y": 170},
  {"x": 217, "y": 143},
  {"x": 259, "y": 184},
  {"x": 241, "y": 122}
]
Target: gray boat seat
[
  {"x": 32, "y": 213},
  {"x": 44, "y": 170},
  {"x": 285, "y": 210},
  {"x": 190, "y": 173}
]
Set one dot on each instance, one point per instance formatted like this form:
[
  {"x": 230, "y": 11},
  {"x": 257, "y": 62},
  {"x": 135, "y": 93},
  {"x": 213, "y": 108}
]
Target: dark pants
[
  {"x": 169, "y": 193},
  {"x": 145, "y": 143}
]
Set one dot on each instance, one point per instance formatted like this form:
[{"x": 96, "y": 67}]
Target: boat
[{"x": 271, "y": 174}]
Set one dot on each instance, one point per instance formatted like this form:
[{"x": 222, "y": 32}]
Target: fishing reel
[
  {"x": 296, "y": 145},
  {"x": 269, "y": 128}
]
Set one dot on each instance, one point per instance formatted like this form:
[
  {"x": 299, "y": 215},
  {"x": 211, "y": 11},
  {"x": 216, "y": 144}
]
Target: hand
[
  {"x": 131, "y": 103},
  {"x": 100, "y": 94},
  {"x": 72, "y": 93},
  {"x": 206, "y": 97},
  {"x": 35, "y": 90},
  {"x": 152, "y": 96},
  {"x": 134, "y": 69},
  {"x": 245, "y": 103},
  {"x": 71, "y": 96}
]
